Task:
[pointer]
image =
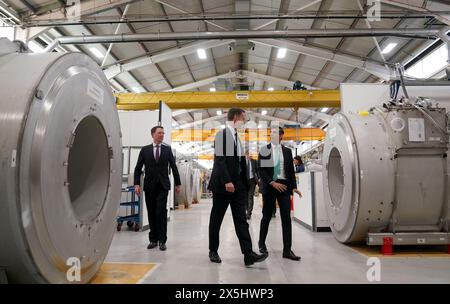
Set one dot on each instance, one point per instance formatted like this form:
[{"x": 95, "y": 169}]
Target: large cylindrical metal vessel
[
  {"x": 196, "y": 186},
  {"x": 187, "y": 183},
  {"x": 60, "y": 160},
  {"x": 386, "y": 171}
]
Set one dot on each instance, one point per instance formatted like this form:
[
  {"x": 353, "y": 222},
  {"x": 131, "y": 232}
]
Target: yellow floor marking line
[{"x": 123, "y": 273}]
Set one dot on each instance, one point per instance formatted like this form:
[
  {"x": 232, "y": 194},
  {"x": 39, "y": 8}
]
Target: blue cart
[{"x": 132, "y": 219}]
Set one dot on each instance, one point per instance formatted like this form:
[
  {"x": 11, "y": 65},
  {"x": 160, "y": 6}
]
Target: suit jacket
[
  {"x": 265, "y": 167},
  {"x": 254, "y": 163},
  {"x": 300, "y": 168},
  {"x": 227, "y": 163},
  {"x": 156, "y": 171}
]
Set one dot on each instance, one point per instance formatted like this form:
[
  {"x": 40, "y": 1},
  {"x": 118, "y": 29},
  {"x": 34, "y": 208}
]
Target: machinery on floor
[
  {"x": 61, "y": 160},
  {"x": 386, "y": 175},
  {"x": 197, "y": 186},
  {"x": 190, "y": 185}
]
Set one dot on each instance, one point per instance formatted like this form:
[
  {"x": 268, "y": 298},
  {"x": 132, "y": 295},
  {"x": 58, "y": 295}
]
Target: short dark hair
[
  {"x": 299, "y": 159},
  {"x": 156, "y": 128},
  {"x": 233, "y": 112}
]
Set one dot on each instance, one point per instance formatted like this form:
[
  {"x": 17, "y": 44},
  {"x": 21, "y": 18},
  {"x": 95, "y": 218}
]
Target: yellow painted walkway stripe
[{"x": 123, "y": 273}]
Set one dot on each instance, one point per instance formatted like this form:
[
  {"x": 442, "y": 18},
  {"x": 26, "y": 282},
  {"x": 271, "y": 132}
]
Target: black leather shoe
[
  {"x": 249, "y": 216},
  {"x": 263, "y": 250},
  {"x": 290, "y": 255},
  {"x": 252, "y": 258},
  {"x": 152, "y": 245},
  {"x": 162, "y": 246},
  {"x": 214, "y": 257}
]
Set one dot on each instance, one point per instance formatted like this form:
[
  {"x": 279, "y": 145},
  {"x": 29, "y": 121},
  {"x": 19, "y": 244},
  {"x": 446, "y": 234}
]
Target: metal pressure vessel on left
[{"x": 60, "y": 164}]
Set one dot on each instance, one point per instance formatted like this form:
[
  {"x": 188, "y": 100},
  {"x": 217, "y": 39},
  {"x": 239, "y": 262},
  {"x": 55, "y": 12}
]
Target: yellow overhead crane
[
  {"x": 260, "y": 135},
  {"x": 228, "y": 99}
]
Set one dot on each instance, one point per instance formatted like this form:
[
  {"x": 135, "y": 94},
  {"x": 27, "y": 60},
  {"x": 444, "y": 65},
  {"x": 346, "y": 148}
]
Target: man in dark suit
[
  {"x": 276, "y": 170},
  {"x": 228, "y": 184},
  {"x": 252, "y": 177},
  {"x": 156, "y": 158}
]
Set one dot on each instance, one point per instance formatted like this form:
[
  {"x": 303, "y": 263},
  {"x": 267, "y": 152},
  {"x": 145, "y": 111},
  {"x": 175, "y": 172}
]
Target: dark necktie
[
  {"x": 157, "y": 153},
  {"x": 236, "y": 142}
]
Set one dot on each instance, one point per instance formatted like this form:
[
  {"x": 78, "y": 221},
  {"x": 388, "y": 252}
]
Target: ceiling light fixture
[
  {"x": 201, "y": 53},
  {"x": 281, "y": 53},
  {"x": 389, "y": 48},
  {"x": 96, "y": 52}
]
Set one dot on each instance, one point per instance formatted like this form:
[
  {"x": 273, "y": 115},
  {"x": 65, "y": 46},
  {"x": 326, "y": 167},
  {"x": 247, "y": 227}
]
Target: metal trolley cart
[{"x": 132, "y": 219}]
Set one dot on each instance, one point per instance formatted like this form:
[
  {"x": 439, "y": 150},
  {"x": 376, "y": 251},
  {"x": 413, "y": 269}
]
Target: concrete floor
[{"x": 324, "y": 260}]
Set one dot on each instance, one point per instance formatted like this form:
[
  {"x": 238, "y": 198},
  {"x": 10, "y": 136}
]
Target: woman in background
[{"x": 298, "y": 164}]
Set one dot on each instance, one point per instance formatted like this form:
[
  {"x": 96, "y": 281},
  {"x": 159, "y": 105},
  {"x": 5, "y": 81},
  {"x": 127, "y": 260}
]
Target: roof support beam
[
  {"x": 207, "y": 28},
  {"x": 404, "y": 4},
  {"x": 353, "y": 61},
  {"x": 86, "y": 8},
  {"x": 267, "y": 78},
  {"x": 8, "y": 11},
  {"x": 284, "y": 6},
  {"x": 177, "y": 42},
  {"x": 137, "y": 84},
  {"x": 115, "y": 70},
  {"x": 315, "y": 24},
  {"x": 418, "y": 33},
  {"x": 293, "y": 13},
  {"x": 372, "y": 51},
  {"x": 27, "y": 34},
  {"x": 144, "y": 48},
  {"x": 327, "y": 65},
  {"x": 185, "y": 12},
  {"x": 28, "y": 5},
  {"x": 123, "y": 14},
  {"x": 275, "y": 80},
  {"x": 203, "y": 82}
]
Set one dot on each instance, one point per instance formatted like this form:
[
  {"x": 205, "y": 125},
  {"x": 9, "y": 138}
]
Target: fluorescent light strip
[
  {"x": 96, "y": 52},
  {"x": 389, "y": 48},
  {"x": 281, "y": 53},
  {"x": 201, "y": 53}
]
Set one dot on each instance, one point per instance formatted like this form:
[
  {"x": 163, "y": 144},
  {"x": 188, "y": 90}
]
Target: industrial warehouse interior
[{"x": 224, "y": 142}]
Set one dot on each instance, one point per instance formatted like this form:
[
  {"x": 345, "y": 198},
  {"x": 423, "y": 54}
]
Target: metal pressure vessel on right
[{"x": 386, "y": 174}]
